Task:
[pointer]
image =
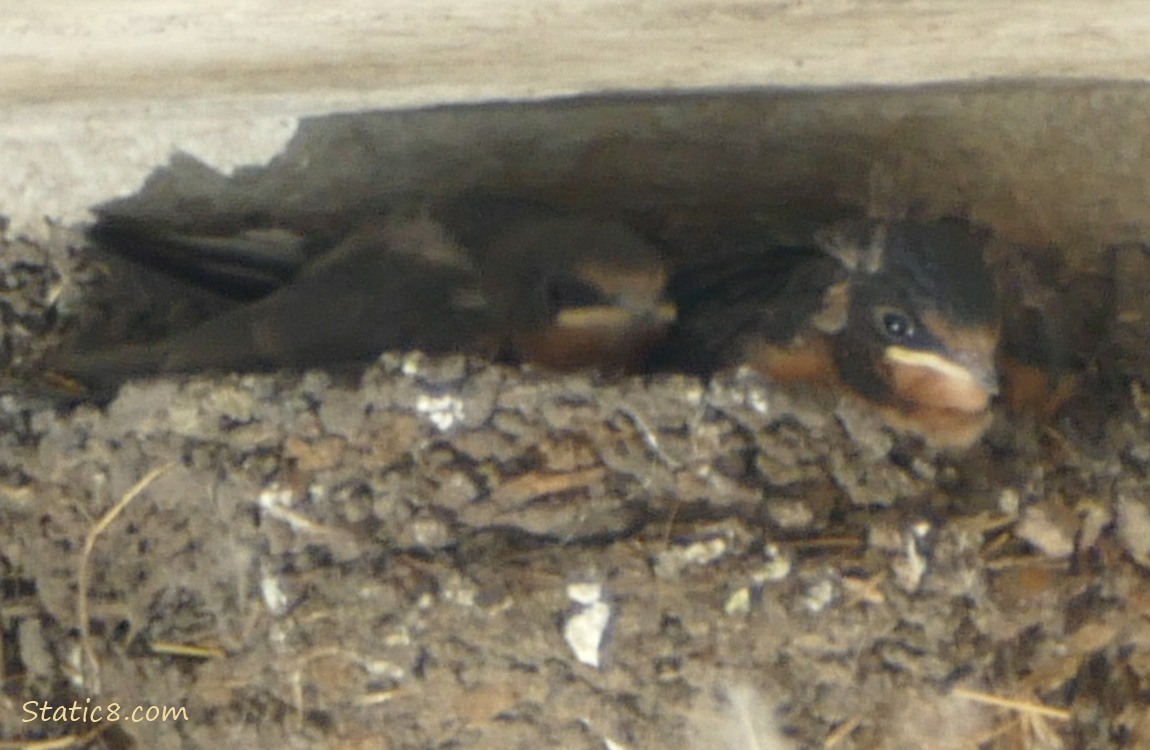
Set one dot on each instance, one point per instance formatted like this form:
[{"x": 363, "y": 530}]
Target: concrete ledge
[
  {"x": 93, "y": 95},
  {"x": 401, "y": 54}
]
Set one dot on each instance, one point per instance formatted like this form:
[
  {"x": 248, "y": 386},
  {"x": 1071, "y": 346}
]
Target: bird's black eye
[
  {"x": 564, "y": 293},
  {"x": 895, "y": 324}
]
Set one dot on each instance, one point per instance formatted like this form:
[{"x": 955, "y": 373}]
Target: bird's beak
[
  {"x": 622, "y": 315},
  {"x": 964, "y": 380},
  {"x": 606, "y": 336}
]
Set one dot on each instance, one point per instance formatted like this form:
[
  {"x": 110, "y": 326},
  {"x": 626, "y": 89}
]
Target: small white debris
[
  {"x": 1009, "y": 502},
  {"x": 73, "y": 667},
  {"x": 777, "y": 568},
  {"x": 819, "y": 596},
  {"x": 738, "y": 603},
  {"x": 443, "y": 411},
  {"x": 1050, "y": 527},
  {"x": 611, "y": 744},
  {"x": 757, "y": 400},
  {"x": 411, "y": 363},
  {"x": 276, "y": 503},
  {"x": 274, "y": 497},
  {"x": 585, "y": 629},
  {"x": 670, "y": 564},
  {"x": 273, "y": 594},
  {"x": 384, "y": 669},
  {"x": 584, "y": 632},
  {"x": 909, "y": 570}
]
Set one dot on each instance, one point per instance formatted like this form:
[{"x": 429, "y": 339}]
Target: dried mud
[{"x": 435, "y": 555}]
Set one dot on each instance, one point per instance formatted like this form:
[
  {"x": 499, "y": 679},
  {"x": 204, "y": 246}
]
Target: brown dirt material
[{"x": 447, "y": 553}]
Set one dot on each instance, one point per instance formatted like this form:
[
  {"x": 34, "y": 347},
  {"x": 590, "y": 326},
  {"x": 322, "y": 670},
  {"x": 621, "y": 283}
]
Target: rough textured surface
[{"x": 420, "y": 558}]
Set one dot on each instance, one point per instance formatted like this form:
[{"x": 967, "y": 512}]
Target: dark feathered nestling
[
  {"x": 903, "y": 314},
  {"x": 491, "y": 276}
]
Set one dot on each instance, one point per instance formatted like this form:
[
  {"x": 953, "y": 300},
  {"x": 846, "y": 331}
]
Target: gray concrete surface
[{"x": 93, "y": 95}]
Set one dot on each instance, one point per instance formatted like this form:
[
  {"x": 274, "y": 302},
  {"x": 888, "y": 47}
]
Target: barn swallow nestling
[
  {"x": 496, "y": 277},
  {"x": 902, "y": 314}
]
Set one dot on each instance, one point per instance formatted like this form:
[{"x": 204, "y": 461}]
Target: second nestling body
[
  {"x": 903, "y": 314},
  {"x": 495, "y": 277}
]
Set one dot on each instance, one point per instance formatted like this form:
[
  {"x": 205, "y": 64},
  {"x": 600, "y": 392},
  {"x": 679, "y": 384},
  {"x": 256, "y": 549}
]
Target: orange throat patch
[
  {"x": 936, "y": 398},
  {"x": 934, "y": 382}
]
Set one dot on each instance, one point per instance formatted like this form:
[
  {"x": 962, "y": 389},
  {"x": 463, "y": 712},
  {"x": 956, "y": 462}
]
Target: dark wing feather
[
  {"x": 757, "y": 290},
  {"x": 363, "y": 300},
  {"x": 242, "y": 266}
]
